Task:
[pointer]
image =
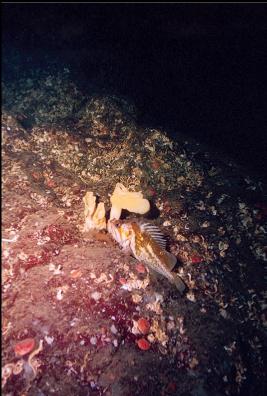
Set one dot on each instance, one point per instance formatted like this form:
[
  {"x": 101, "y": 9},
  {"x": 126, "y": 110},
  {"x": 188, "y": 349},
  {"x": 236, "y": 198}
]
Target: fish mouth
[{"x": 113, "y": 228}]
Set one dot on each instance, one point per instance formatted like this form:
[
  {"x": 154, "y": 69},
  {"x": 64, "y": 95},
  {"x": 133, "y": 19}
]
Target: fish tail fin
[
  {"x": 179, "y": 283},
  {"x": 171, "y": 260}
]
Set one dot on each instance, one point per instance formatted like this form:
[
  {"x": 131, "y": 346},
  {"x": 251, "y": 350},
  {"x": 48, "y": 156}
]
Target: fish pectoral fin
[
  {"x": 126, "y": 250},
  {"x": 179, "y": 283},
  {"x": 171, "y": 260}
]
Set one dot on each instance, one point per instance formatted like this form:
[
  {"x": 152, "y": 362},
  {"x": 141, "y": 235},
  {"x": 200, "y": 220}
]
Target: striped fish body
[{"x": 147, "y": 244}]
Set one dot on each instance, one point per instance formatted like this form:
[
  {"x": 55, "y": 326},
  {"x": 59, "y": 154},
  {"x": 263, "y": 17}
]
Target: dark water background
[{"x": 195, "y": 69}]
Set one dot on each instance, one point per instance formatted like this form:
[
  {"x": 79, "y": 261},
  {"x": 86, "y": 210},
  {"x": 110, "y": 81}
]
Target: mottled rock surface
[{"x": 82, "y": 297}]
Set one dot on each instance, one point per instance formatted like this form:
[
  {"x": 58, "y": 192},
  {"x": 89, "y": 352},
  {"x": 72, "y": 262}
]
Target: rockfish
[{"x": 147, "y": 244}]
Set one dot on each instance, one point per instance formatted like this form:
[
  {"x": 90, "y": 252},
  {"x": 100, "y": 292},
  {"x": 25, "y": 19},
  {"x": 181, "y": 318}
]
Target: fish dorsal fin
[
  {"x": 155, "y": 233},
  {"x": 171, "y": 260}
]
